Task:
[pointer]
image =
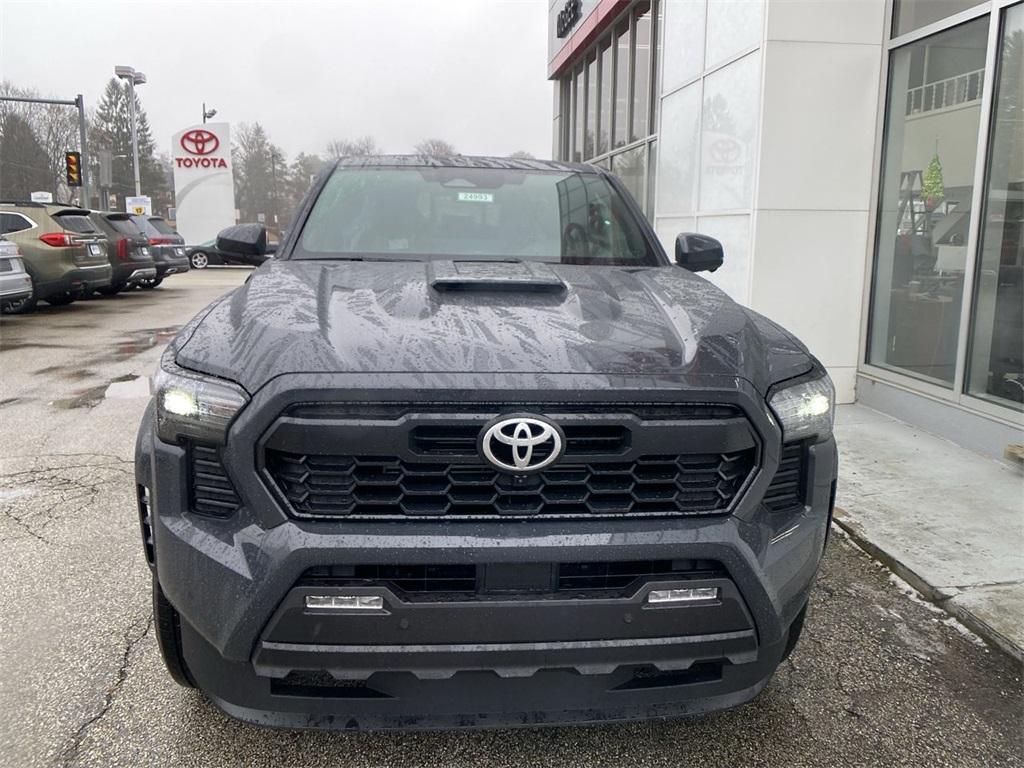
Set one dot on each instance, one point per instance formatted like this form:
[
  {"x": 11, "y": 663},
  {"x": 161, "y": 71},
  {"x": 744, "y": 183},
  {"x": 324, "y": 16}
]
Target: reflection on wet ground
[
  {"x": 129, "y": 345},
  {"x": 87, "y": 398}
]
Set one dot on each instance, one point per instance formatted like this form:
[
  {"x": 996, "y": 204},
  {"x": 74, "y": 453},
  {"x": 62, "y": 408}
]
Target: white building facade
[{"x": 862, "y": 162}]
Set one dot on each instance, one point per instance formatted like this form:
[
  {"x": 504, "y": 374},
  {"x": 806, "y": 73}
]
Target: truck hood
[{"x": 397, "y": 317}]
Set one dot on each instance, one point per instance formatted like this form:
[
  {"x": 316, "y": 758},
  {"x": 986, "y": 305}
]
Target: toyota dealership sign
[{"x": 204, "y": 188}]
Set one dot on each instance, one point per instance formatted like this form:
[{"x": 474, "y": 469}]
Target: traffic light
[{"x": 73, "y": 164}]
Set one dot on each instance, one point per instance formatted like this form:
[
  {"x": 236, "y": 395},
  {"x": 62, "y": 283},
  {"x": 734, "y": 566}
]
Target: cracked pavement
[{"x": 878, "y": 678}]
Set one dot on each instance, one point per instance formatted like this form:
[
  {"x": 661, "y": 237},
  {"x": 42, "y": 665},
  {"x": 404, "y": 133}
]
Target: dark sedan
[{"x": 208, "y": 254}]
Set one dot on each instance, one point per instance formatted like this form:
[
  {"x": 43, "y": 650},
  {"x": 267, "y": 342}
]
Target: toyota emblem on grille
[
  {"x": 521, "y": 444},
  {"x": 199, "y": 141}
]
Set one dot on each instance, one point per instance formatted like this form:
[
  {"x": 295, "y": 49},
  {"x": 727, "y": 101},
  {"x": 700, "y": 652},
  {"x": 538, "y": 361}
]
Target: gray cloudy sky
[{"x": 469, "y": 71}]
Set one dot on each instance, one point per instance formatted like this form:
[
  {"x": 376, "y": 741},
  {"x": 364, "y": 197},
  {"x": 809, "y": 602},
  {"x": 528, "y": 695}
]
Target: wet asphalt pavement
[{"x": 878, "y": 679}]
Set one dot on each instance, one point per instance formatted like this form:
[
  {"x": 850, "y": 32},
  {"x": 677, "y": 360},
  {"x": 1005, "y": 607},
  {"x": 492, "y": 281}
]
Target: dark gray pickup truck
[{"x": 472, "y": 451}]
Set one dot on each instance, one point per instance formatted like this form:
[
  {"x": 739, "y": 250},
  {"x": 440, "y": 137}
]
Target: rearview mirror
[
  {"x": 698, "y": 253},
  {"x": 247, "y": 239}
]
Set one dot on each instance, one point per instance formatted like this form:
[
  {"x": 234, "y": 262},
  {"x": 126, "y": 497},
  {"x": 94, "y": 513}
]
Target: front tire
[
  {"x": 168, "y": 637},
  {"x": 199, "y": 260}
]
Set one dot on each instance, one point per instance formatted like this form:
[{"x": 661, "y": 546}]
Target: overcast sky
[{"x": 469, "y": 71}]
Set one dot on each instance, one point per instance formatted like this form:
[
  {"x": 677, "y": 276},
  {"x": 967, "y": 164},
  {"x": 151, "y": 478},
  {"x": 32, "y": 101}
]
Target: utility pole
[{"x": 79, "y": 103}]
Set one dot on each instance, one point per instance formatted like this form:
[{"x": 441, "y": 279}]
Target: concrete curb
[{"x": 938, "y": 597}]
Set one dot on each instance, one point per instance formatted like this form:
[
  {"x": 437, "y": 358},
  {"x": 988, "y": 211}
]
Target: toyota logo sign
[
  {"x": 199, "y": 142},
  {"x": 521, "y": 444}
]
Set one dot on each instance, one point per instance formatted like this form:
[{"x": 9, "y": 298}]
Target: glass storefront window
[
  {"x": 909, "y": 15},
  {"x": 591, "y": 135},
  {"x": 642, "y": 73},
  {"x": 631, "y": 167},
  {"x": 621, "y": 84},
  {"x": 925, "y": 205},
  {"x": 579, "y": 97},
  {"x": 997, "y": 344},
  {"x": 652, "y": 163},
  {"x": 604, "y": 126}
]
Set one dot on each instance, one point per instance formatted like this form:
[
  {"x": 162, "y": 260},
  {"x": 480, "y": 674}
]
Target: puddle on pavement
[
  {"x": 136, "y": 342},
  {"x": 83, "y": 398},
  {"x": 68, "y": 373},
  {"x": 129, "y": 385},
  {"x": 137, "y": 386},
  {"x": 9, "y": 345}
]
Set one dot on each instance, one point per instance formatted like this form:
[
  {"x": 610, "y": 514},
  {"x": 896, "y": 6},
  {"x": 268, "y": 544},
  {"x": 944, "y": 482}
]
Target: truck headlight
[
  {"x": 805, "y": 409},
  {"x": 191, "y": 405}
]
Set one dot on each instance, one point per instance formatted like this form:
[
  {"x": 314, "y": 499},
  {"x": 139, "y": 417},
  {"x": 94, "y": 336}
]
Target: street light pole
[
  {"x": 134, "y": 78},
  {"x": 135, "y": 137}
]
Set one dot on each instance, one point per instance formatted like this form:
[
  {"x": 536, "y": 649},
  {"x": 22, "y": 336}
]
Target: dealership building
[{"x": 862, "y": 162}]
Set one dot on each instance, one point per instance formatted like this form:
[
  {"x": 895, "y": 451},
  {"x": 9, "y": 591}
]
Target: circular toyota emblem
[
  {"x": 521, "y": 444},
  {"x": 199, "y": 142}
]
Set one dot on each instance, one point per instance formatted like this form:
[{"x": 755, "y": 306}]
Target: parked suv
[
  {"x": 63, "y": 252},
  {"x": 166, "y": 246},
  {"x": 472, "y": 451},
  {"x": 131, "y": 263}
]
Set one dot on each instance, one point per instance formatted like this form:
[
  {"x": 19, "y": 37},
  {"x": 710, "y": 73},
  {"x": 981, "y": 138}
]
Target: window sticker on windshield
[{"x": 476, "y": 197}]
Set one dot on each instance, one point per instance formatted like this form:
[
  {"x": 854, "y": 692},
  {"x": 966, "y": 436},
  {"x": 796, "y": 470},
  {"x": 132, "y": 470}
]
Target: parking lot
[{"x": 877, "y": 679}]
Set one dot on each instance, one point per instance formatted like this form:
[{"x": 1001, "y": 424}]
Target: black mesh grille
[
  {"x": 787, "y": 487},
  {"x": 415, "y": 579},
  {"x": 212, "y": 492},
  {"x": 580, "y": 577},
  {"x": 332, "y": 486}
]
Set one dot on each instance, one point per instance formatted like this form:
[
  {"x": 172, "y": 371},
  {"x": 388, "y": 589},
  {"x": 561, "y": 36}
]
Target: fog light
[
  {"x": 346, "y": 602},
  {"x": 697, "y": 594}
]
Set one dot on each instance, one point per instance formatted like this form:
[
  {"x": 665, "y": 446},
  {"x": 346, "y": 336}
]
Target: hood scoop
[{"x": 495, "y": 276}]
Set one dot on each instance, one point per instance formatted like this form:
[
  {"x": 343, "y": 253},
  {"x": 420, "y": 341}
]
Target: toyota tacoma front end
[{"x": 472, "y": 452}]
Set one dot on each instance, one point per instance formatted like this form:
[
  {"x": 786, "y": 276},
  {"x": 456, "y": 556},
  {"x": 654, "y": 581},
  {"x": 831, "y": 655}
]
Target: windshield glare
[{"x": 473, "y": 214}]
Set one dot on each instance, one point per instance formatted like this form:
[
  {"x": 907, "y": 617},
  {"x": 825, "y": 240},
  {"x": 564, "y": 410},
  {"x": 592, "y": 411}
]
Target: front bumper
[{"x": 259, "y": 654}]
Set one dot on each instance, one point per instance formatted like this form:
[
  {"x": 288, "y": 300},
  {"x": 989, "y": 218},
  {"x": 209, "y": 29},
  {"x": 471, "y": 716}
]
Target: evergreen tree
[
  {"x": 111, "y": 130},
  {"x": 261, "y": 174},
  {"x": 301, "y": 173}
]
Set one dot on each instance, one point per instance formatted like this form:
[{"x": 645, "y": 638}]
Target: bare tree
[
  {"x": 55, "y": 128},
  {"x": 361, "y": 147},
  {"x": 436, "y": 147},
  {"x": 24, "y": 166}
]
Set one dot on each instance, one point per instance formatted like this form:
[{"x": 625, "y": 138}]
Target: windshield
[{"x": 473, "y": 214}]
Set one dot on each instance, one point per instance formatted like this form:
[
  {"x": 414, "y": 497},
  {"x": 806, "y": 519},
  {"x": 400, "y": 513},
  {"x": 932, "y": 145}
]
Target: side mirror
[
  {"x": 698, "y": 253},
  {"x": 246, "y": 239}
]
